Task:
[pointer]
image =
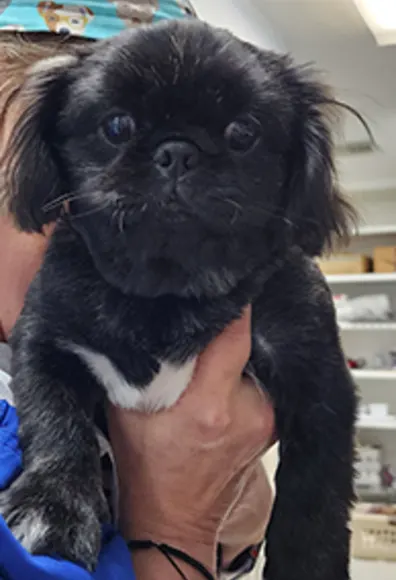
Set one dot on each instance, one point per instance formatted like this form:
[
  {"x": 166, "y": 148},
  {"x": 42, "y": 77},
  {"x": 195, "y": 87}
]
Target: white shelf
[
  {"x": 380, "y": 230},
  {"x": 374, "y": 375},
  {"x": 367, "y": 326},
  {"x": 376, "y": 493},
  {"x": 371, "y": 277},
  {"x": 387, "y": 424}
]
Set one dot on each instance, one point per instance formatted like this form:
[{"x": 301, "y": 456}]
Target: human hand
[
  {"x": 180, "y": 470},
  {"x": 20, "y": 258}
]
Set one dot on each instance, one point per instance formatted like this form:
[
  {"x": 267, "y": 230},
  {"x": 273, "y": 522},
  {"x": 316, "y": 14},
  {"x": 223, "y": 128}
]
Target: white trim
[
  {"x": 359, "y": 326},
  {"x": 358, "y": 278},
  {"x": 375, "y": 230},
  {"x": 374, "y": 375}
]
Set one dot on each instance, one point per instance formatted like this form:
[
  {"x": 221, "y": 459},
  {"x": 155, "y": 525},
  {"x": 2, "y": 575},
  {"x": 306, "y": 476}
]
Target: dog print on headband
[
  {"x": 187, "y": 7},
  {"x": 136, "y": 12},
  {"x": 4, "y": 5},
  {"x": 98, "y": 19},
  {"x": 65, "y": 18}
]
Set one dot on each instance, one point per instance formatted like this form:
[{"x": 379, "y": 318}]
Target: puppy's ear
[
  {"x": 320, "y": 216},
  {"x": 30, "y": 165}
]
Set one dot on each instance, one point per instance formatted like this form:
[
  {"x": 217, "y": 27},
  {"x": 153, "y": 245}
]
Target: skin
[{"x": 190, "y": 476}]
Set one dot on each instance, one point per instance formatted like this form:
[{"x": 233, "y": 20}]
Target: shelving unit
[
  {"x": 371, "y": 278},
  {"x": 367, "y": 339},
  {"x": 377, "y": 230},
  {"x": 376, "y": 494},
  {"x": 388, "y": 424},
  {"x": 374, "y": 326},
  {"x": 374, "y": 375}
]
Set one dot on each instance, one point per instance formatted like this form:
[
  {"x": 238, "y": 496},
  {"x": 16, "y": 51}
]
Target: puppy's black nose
[{"x": 174, "y": 158}]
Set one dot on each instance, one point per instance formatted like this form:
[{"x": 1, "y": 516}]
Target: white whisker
[
  {"x": 121, "y": 221},
  {"x": 89, "y": 212}
]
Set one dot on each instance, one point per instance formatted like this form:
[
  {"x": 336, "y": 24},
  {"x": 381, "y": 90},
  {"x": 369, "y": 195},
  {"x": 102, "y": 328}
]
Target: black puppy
[{"x": 199, "y": 177}]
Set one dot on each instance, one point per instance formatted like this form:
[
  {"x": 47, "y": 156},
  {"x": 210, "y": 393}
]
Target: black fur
[{"x": 147, "y": 267}]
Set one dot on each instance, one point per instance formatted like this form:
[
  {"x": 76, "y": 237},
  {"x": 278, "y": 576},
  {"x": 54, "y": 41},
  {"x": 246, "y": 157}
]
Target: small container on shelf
[
  {"x": 368, "y": 466},
  {"x": 367, "y": 308},
  {"x": 385, "y": 259},
  {"x": 345, "y": 264},
  {"x": 374, "y": 532}
]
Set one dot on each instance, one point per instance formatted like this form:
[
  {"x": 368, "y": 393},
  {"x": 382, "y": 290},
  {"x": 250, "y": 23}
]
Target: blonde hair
[{"x": 19, "y": 52}]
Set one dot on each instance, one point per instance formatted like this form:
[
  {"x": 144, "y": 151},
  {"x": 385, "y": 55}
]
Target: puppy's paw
[{"x": 49, "y": 518}]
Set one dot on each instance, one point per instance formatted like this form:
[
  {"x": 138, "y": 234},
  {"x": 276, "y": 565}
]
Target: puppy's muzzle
[{"x": 176, "y": 158}]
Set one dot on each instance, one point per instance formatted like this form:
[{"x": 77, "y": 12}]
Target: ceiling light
[{"x": 380, "y": 17}]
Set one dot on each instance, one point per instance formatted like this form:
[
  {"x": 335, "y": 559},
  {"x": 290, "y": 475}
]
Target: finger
[
  {"x": 255, "y": 416},
  {"x": 261, "y": 407},
  {"x": 226, "y": 357}
]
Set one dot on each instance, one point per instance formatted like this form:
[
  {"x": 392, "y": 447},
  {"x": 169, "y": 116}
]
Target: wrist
[
  {"x": 186, "y": 555},
  {"x": 170, "y": 565},
  {"x": 162, "y": 522},
  {"x": 197, "y": 543},
  {"x": 139, "y": 522}
]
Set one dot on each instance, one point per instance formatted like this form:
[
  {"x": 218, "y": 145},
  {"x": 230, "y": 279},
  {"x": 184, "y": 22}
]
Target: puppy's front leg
[
  {"x": 308, "y": 536},
  {"x": 57, "y": 504}
]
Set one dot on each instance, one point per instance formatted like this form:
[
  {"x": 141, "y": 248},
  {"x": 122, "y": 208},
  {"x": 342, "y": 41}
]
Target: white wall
[
  {"x": 241, "y": 17},
  {"x": 375, "y": 170}
]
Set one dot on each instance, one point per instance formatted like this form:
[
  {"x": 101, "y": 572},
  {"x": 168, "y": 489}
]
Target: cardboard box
[
  {"x": 345, "y": 264},
  {"x": 385, "y": 259}
]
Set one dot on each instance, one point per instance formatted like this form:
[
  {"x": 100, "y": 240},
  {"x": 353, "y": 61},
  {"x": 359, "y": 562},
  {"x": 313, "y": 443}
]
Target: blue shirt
[{"x": 15, "y": 562}]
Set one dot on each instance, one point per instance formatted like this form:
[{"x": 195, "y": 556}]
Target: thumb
[{"x": 226, "y": 357}]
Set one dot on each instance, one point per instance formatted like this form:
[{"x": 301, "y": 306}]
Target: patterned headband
[{"x": 88, "y": 18}]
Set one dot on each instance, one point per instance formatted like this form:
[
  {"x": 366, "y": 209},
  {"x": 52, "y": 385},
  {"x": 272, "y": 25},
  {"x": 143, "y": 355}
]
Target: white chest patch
[{"x": 163, "y": 392}]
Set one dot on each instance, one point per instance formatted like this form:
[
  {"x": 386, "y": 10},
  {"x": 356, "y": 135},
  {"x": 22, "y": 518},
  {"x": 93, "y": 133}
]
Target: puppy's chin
[
  {"x": 150, "y": 281},
  {"x": 159, "y": 277},
  {"x": 151, "y": 258}
]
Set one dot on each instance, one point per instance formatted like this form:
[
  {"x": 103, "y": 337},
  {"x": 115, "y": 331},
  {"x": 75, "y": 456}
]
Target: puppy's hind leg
[{"x": 308, "y": 535}]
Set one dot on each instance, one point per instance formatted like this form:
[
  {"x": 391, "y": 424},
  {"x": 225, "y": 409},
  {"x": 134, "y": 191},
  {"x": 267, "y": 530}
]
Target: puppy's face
[{"x": 188, "y": 158}]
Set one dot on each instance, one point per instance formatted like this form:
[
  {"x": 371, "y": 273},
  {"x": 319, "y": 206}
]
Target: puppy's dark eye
[
  {"x": 119, "y": 129},
  {"x": 243, "y": 134}
]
